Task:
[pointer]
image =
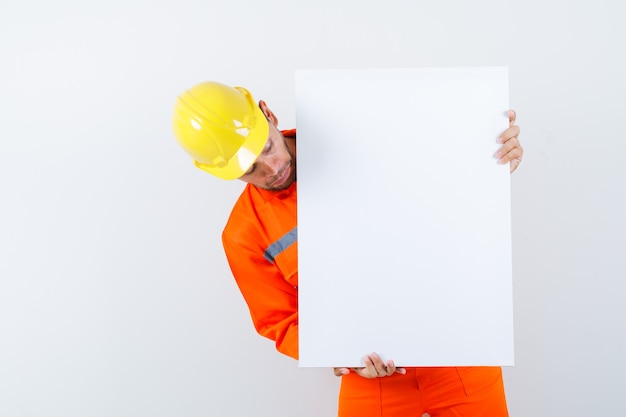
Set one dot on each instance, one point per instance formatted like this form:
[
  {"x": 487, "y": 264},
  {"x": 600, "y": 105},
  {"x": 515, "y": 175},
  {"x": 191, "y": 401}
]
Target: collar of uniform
[
  {"x": 289, "y": 133},
  {"x": 267, "y": 195}
]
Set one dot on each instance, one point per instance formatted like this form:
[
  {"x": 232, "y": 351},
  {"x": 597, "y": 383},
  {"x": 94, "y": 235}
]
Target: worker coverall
[{"x": 260, "y": 241}]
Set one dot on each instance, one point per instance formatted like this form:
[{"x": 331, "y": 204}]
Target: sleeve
[{"x": 272, "y": 301}]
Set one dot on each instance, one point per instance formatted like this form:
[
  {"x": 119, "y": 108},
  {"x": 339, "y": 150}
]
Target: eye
[
  {"x": 265, "y": 151},
  {"x": 250, "y": 170}
]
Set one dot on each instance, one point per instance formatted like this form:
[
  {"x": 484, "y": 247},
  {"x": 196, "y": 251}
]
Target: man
[{"x": 228, "y": 135}]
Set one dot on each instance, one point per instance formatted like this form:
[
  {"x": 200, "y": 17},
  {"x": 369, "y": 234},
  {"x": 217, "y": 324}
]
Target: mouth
[{"x": 282, "y": 177}]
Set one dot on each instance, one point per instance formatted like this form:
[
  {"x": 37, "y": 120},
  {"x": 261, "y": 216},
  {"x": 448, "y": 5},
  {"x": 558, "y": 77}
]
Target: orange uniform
[{"x": 260, "y": 241}]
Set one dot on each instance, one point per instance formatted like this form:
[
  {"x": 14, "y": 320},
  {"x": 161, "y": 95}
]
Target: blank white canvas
[{"x": 403, "y": 217}]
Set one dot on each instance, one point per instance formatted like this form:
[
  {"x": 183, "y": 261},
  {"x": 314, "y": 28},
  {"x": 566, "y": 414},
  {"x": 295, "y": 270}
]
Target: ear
[{"x": 271, "y": 117}]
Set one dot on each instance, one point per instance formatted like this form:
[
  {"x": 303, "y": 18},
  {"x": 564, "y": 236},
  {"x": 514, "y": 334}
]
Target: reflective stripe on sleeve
[{"x": 281, "y": 244}]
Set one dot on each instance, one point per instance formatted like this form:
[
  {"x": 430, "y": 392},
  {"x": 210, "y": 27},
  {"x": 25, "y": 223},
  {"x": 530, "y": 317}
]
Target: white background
[{"x": 115, "y": 298}]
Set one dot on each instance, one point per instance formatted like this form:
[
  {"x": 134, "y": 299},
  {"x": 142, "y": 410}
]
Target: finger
[
  {"x": 508, "y": 146},
  {"x": 512, "y": 116},
  {"x": 514, "y": 164},
  {"x": 370, "y": 368},
  {"x": 391, "y": 368},
  {"x": 515, "y": 153},
  {"x": 381, "y": 367},
  {"x": 341, "y": 371},
  {"x": 510, "y": 133}
]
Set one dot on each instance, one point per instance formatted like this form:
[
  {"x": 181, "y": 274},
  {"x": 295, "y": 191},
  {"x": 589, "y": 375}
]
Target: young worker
[{"x": 228, "y": 135}]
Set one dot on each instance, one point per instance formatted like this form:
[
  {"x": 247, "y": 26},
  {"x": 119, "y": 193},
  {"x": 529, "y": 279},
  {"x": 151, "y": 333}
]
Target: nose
[{"x": 270, "y": 166}]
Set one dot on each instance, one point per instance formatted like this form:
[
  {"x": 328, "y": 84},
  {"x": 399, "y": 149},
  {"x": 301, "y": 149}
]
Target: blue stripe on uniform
[{"x": 280, "y": 245}]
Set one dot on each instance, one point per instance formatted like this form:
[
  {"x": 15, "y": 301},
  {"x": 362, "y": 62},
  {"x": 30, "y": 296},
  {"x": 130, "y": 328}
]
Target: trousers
[{"x": 423, "y": 392}]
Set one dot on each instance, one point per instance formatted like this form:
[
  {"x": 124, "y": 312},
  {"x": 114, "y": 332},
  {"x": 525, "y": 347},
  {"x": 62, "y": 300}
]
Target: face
[{"x": 275, "y": 168}]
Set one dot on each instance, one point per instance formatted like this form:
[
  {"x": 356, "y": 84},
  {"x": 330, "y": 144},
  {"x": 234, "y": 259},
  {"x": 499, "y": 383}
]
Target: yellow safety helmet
[{"x": 221, "y": 128}]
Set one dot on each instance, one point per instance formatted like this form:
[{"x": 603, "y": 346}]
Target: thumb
[{"x": 512, "y": 116}]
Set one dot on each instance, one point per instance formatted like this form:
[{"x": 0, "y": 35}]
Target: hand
[
  {"x": 510, "y": 151},
  {"x": 374, "y": 368}
]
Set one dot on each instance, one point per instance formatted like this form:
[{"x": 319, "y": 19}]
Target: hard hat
[{"x": 221, "y": 128}]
